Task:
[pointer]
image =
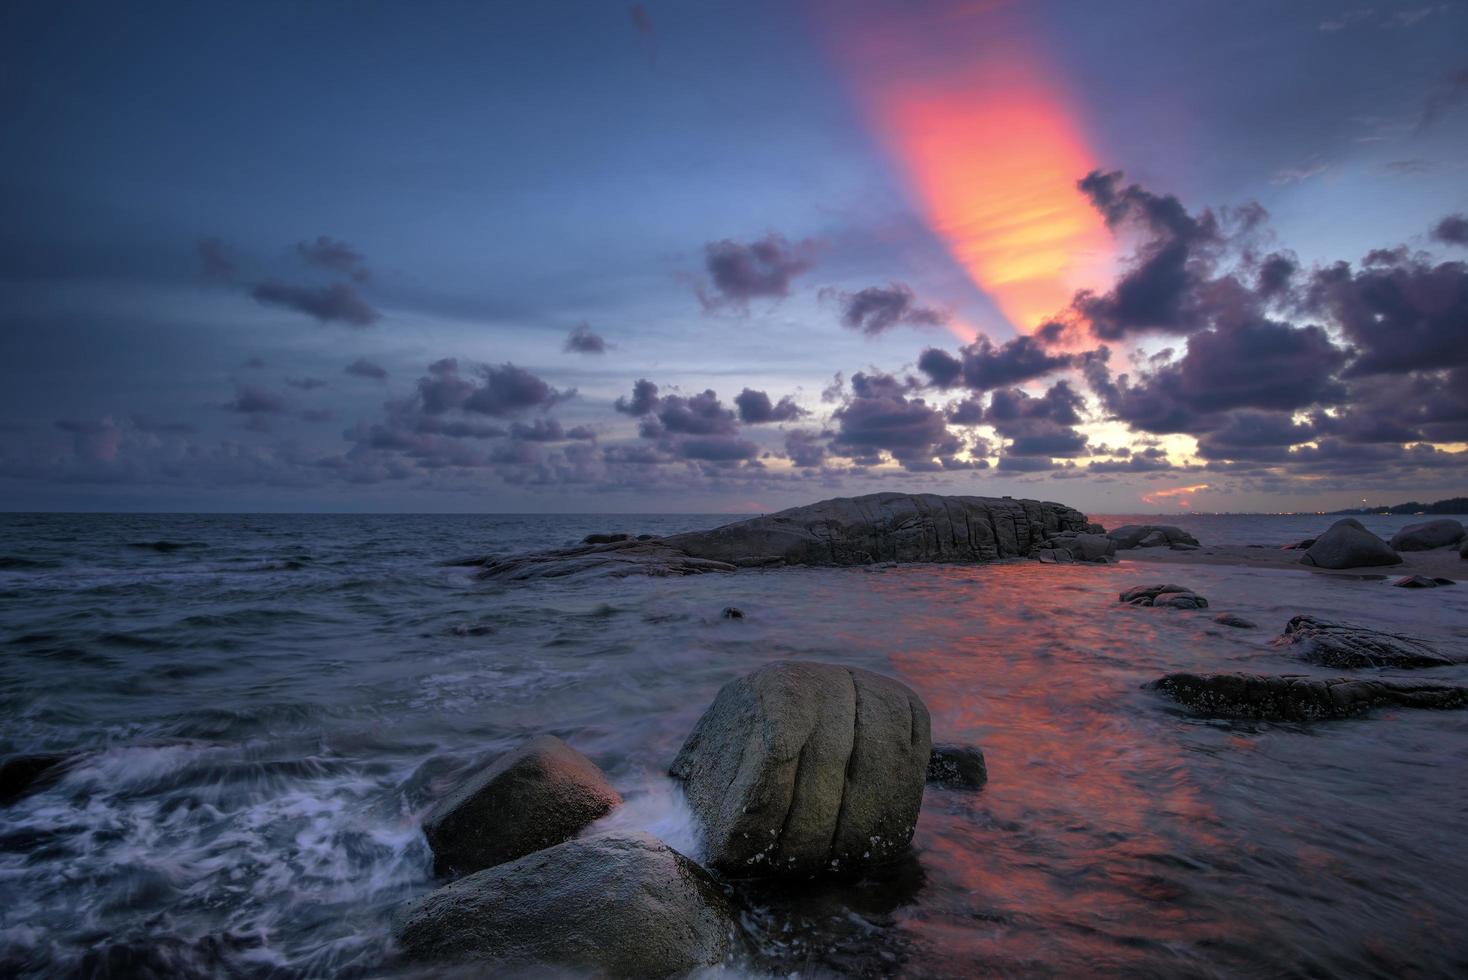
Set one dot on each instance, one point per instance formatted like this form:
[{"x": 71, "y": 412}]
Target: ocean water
[{"x": 264, "y": 706}]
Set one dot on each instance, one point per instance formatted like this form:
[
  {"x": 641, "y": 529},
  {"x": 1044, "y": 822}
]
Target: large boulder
[
  {"x": 1130, "y": 536},
  {"x": 1349, "y": 545},
  {"x": 537, "y": 795},
  {"x": 1428, "y": 535},
  {"x": 1170, "y": 596},
  {"x": 1081, "y": 546},
  {"x": 804, "y": 768},
  {"x": 1299, "y": 698},
  {"x": 618, "y": 904},
  {"x": 1346, "y": 646}
]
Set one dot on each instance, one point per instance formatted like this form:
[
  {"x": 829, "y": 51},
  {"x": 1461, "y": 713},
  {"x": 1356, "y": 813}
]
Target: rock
[
  {"x": 1297, "y": 545},
  {"x": 535, "y": 796},
  {"x": 1094, "y": 528},
  {"x": 733, "y": 612},
  {"x": 1421, "y": 582},
  {"x": 958, "y": 767},
  {"x": 1183, "y": 546},
  {"x": 618, "y": 904},
  {"x": 605, "y": 538},
  {"x": 1299, "y": 698},
  {"x": 1150, "y": 536},
  {"x": 864, "y": 530},
  {"x": 1077, "y": 547},
  {"x": 802, "y": 768},
  {"x": 1349, "y": 545},
  {"x": 1463, "y": 549},
  {"x": 1343, "y": 645},
  {"x": 22, "y": 775},
  {"x": 1174, "y": 596},
  {"x": 1428, "y": 535},
  {"x": 1237, "y": 622},
  {"x": 646, "y": 537}
]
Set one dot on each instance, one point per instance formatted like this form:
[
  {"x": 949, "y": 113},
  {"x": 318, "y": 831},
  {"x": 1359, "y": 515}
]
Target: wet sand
[{"x": 1438, "y": 563}]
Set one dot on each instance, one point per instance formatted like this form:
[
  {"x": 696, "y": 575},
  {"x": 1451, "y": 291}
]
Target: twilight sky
[{"x": 703, "y": 256}]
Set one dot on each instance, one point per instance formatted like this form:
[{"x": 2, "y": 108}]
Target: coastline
[{"x": 1440, "y": 562}]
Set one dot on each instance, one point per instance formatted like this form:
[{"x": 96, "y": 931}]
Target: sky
[{"x": 732, "y": 257}]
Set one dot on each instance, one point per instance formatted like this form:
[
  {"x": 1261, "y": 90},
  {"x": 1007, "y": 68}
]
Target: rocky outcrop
[
  {"x": 879, "y": 527},
  {"x": 1349, "y": 545},
  {"x": 1299, "y": 698},
  {"x": 1421, "y": 582},
  {"x": 958, "y": 767},
  {"x": 1428, "y": 535},
  {"x": 536, "y": 796},
  {"x": 1070, "y": 546},
  {"x": 1130, "y": 536},
  {"x": 1170, "y": 596},
  {"x": 805, "y": 768},
  {"x": 621, "y": 905},
  {"x": 1345, "y": 646}
]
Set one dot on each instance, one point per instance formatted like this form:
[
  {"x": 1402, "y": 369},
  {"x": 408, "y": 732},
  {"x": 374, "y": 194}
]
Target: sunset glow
[{"x": 1179, "y": 495}]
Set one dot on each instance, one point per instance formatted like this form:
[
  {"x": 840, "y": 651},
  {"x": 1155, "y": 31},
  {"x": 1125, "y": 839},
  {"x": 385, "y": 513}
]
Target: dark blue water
[{"x": 261, "y": 708}]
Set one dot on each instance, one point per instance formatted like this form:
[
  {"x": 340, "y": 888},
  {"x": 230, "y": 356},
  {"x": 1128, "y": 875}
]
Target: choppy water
[{"x": 269, "y": 706}]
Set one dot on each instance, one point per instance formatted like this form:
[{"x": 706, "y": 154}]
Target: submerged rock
[
  {"x": 803, "y": 768},
  {"x": 1150, "y": 536},
  {"x": 618, "y": 904},
  {"x": 533, "y": 797},
  {"x": 1421, "y": 582},
  {"x": 605, "y": 538},
  {"x": 733, "y": 612},
  {"x": 1234, "y": 620},
  {"x": 866, "y": 530},
  {"x": 1173, "y": 596},
  {"x": 958, "y": 767},
  {"x": 22, "y": 775},
  {"x": 1349, "y": 545},
  {"x": 1299, "y": 698},
  {"x": 1428, "y": 535},
  {"x": 1347, "y": 646}
]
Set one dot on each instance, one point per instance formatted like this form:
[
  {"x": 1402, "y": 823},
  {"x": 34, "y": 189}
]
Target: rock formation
[
  {"x": 620, "y": 905},
  {"x": 805, "y": 768},
  {"x": 1421, "y": 582},
  {"x": 1299, "y": 698},
  {"x": 879, "y": 527},
  {"x": 1349, "y": 545},
  {"x": 1152, "y": 536},
  {"x": 1428, "y": 535},
  {"x": 1345, "y": 646},
  {"x": 958, "y": 767},
  {"x": 538, "y": 795}
]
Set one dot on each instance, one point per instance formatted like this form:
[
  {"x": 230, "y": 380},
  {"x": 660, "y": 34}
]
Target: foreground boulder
[
  {"x": 538, "y": 795},
  {"x": 1130, "y": 536},
  {"x": 1072, "y": 546},
  {"x": 1299, "y": 698},
  {"x": 878, "y": 527},
  {"x": 1171, "y": 596},
  {"x": 958, "y": 767},
  {"x": 1346, "y": 646},
  {"x": 619, "y": 904},
  {"x": 805, "y": 768},
  {"x": 1428, "y": 535},
  {"x": 1349, "y": 545}
]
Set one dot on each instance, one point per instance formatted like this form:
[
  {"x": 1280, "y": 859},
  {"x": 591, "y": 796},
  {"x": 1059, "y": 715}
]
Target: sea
[{"x": 260, "y": 708}]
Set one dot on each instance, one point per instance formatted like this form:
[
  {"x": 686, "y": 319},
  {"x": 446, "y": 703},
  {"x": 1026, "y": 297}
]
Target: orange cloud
[
  {"x": 1182, "y": 493},
  {"x": 991, "y": 151}
]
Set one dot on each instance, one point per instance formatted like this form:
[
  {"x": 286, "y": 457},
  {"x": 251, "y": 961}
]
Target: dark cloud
[
  {"x": 1038, "y": 426},
  {"x": 363, "y": 368},
  {"x": 583, "y": 340},
  {"x": 1452, "y": 230},
  {"x": 879, "y": 417},
  {"x": 983, "y": 366},
  {"x": 1176, "y": 254},
  {"x": 306, "y": 384},
  {"x": 806, "y": 448},
  {"x": 93, "y": 440},
  {"x": 1256, "y": 436},
  {"x": 215, "y": 261},
  {"x": 880, "y": 308},
  {"x": 644, "y": 399},
  {"x": 541, "y": 430},
  {"x": 336, "y": 302},
  {"x": 701, "y": 414},
  {"x": 1402, "y": 313},
  {"x": 250, "y": 400},
  {"x": 762, "y": 269},
  {"x": 500, "y": 390},
  {"x": 755, "y": 408},
  {"x": 317, "y": 415},
  {"x": 334, "y": 255}
]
